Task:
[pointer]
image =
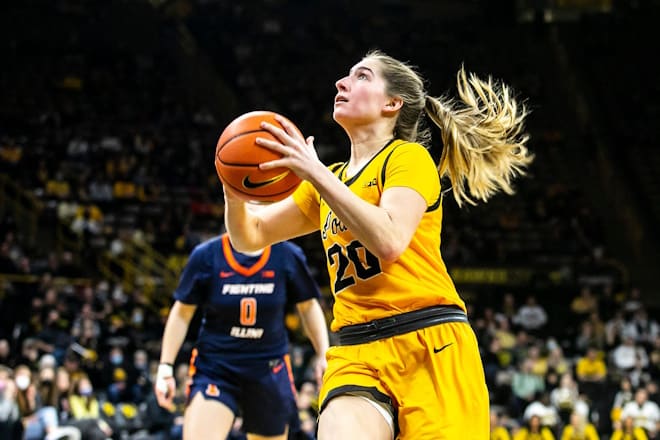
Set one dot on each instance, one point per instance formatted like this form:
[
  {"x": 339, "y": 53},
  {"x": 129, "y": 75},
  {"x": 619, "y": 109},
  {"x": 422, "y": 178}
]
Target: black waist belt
[{"x": 399, "y": 324}]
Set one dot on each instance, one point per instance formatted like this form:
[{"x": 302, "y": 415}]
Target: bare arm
[
  {"x": 313, "y": 321},
  {"x": 386, "y": 229},
  {"x": 316, "y": 329},
  {"x": 175, "y": 332},
  {"x": 176, "y": 329},
  {"x": 252, "y": 228}
]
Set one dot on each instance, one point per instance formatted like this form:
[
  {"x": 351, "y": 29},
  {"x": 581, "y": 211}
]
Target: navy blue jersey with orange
[{"x": 244, "y": 298}]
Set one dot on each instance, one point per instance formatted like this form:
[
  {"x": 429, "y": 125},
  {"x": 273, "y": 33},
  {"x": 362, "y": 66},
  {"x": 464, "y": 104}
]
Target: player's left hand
[
  {"x": 165, "y": 386},
  {"x": 320, "y": 366}
]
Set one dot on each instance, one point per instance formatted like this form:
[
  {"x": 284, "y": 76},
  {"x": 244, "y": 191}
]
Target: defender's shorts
[{"x": 262, "y": 393}]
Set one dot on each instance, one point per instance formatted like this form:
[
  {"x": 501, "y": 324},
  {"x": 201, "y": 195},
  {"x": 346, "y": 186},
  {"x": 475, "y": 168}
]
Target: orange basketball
[{"x": 237, "y": 159}]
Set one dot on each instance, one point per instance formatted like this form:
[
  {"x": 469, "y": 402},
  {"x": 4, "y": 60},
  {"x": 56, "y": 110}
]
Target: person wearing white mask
[{"x": 39, "y": 421}]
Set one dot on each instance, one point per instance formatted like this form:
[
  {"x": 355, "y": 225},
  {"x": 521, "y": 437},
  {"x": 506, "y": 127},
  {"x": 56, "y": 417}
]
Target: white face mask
[{"x": 22, "y": 382}]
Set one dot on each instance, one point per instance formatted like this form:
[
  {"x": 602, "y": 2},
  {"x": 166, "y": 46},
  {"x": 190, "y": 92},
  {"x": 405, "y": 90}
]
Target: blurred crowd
[{"x": 84, "y": 357}]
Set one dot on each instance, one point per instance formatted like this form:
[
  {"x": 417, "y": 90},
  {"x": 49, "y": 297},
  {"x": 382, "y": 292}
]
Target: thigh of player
[{"x": 206, "y": 419}]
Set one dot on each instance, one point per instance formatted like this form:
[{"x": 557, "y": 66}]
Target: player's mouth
[{"x": 340, "y": 99}]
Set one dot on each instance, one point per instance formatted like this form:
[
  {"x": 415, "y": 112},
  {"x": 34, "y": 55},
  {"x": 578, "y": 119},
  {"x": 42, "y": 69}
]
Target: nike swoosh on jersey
[
  {"x": 438, "y": 350},
  {"x": 252, "y": 185},
  {"x": 224, "y": 274}
]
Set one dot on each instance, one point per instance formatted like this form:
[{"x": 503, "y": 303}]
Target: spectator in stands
[
  {"x": 53, "y": 337},
  {"x": 29, "y": 353},
  {"x": 628, "y": 355},
  {"x": 544, "y": 409},
  {"x": 539, "y": 362},
  {"x": 523, "y": 341},
  {"x": 6, "y": 357},
  {"x": 39, "y": 418},
  {"x": 645, "y": 413},
  {"x": 532, "y": 317},
  {"x": 503, "y": 333},
  {"x": 508, "y": 307},
  {"x": 85, "y": 407},
  {"x": 139, "y": 378},
  {"x": 584, "y": 304},
  {"x": 565, "y": 396},
  {"x": 556, "y": 360},
  {"x": 7, "y": 263},
  {"x": 533, "y": 430},
  {"x": 587, "y": 337},
  {"x": 591, "y": 373},
  {"x": 591, "y": 367},
  {"x": 626, "y": 430},
  {"x": 622, "y": 396},
  {"x": 643, "y": 329},
  {"x": 524, "y": 387},
  {"x": 63, "y": 388},
  {"x": 652, "y": 389},
  {"x": 633, "y": 301},
  {"x": 492, "y": 363},
  {"x": 307, "y": 403},
  {"x": 654, "y": 358},
  {"x": 10, "y": 423},
  {"x": 614, "y": 329},
  {"x": 72, "y": 365},
  {"x": 497, "y": 430},
  {"x": 579, "y": 428}
]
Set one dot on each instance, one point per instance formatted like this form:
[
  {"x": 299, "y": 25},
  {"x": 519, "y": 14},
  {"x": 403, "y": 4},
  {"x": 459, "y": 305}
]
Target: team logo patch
[
  {"x": 212, "y": 390},
  {"x": 372, "y": 182}
]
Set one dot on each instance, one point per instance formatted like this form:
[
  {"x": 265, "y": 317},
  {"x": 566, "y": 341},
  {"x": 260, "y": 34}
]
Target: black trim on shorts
[
  {"x": 399, "y": 324},
  {"x": 356, "y": 390}
]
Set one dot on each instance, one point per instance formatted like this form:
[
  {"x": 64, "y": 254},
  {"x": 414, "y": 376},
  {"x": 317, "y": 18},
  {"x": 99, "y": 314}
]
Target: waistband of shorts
[{"x": 399, "y": 324}]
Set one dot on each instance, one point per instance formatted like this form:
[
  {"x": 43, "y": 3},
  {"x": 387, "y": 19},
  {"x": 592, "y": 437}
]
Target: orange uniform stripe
[{"x": 245, "y": 271}]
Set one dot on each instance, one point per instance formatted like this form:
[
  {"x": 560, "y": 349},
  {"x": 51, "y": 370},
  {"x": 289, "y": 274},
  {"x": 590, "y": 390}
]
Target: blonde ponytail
[{"x": 483, "y": 139}]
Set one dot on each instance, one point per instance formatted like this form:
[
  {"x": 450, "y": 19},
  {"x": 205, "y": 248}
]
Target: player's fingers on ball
[
  {"x": 269, "y": 143},
  {"x": 276, "y": 131},
  {"x": 284, "y": 123},
  {"x": 272, "y": 164}
]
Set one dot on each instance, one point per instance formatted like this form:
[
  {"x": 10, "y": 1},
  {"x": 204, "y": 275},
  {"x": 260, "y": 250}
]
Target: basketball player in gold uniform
[{"x": 407, "y": 364}]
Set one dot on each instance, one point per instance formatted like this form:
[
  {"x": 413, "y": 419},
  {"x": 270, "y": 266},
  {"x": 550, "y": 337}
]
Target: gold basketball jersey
[{"x": 366, "y": 288}]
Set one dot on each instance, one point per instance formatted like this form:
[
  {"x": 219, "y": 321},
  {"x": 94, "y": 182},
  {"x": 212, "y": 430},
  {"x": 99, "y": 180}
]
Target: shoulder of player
[
  {"x": 212, "y": 245},
  {"x": 400, "y": 146}
]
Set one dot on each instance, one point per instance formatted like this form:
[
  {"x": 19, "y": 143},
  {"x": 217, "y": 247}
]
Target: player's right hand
[{"x": 165, "y": 386}]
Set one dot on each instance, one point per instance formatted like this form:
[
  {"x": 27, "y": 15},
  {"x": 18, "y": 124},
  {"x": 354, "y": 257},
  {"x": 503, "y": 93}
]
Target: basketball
[{"x": 237, "y": 159}]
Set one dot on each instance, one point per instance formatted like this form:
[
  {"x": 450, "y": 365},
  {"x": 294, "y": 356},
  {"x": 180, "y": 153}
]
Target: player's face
[{"x": 361, "y": 95}]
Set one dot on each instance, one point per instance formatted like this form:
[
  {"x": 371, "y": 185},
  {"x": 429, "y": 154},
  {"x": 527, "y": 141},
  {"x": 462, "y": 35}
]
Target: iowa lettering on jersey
[
  {"x": 333, "y": 224},
  {"x": 248, "y": 289}
]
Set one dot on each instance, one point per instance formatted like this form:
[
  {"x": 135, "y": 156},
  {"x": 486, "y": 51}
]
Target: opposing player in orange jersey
[{"x": 407, "y": 364}]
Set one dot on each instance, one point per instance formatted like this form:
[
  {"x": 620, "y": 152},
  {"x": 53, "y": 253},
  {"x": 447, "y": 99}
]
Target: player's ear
[{"x": 394, "y": 103}]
